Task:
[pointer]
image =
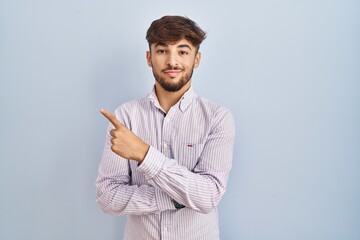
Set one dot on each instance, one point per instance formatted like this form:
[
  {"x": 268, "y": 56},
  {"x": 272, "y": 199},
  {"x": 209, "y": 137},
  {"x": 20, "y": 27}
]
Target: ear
[
  {"x": 148, "y": 58},
  {"x": 197, "y": 59}
]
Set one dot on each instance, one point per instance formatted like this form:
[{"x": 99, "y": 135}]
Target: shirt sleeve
[
  {"x": 117, "y": 196},
  {"x": 202, "y": 188}
]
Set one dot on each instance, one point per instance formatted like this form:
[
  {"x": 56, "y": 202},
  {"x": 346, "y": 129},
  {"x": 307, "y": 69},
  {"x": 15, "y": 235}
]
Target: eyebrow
[
  {"x": 162, "y": 44},
  {"x": 184, "y": 46}
]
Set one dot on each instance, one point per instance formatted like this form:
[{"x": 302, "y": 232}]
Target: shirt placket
[
  {"x": 166, "y": 134},
  {"x": 166, "y": 216}
]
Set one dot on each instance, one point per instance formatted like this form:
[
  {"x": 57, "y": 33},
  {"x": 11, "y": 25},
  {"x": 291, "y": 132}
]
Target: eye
[
  {"x": 161, "y": 51},
  {"x": 183, "y": 53}
]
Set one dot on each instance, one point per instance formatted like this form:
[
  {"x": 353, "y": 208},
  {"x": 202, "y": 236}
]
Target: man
[{"x": 168, "y": 155}]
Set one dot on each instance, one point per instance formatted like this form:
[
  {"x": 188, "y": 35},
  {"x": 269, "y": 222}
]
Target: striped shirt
[{"x": 189, "y": 159}]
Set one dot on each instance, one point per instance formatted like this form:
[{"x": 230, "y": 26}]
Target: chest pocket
[{"x": 188, "y": 154}]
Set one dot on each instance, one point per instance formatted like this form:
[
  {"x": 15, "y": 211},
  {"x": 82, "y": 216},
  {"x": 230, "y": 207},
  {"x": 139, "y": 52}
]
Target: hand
[{"x": 124, "y": 142}]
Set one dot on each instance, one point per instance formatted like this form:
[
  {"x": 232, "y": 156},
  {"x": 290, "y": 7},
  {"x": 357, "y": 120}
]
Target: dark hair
[{"x": 173, "y": 28}]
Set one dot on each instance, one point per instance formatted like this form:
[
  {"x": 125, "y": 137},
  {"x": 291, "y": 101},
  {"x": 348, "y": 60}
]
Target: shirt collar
[
  {"x": 153, "y": 98},
  {"x": 183, "y": 103},
  {"x": 186, "y": 99}
]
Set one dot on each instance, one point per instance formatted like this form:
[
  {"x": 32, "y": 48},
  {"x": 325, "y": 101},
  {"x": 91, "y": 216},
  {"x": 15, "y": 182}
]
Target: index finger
[{"x": 111, "y": 118}]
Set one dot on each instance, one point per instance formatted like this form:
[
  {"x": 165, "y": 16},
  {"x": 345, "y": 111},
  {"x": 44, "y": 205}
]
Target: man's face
[{"x": 173, "y": 63}]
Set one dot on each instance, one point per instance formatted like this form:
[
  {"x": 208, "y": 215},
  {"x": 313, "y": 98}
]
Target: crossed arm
[{"x": 200, "y": 189}]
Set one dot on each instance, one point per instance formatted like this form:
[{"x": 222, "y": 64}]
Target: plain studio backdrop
[{"x": 288, "y": 70}]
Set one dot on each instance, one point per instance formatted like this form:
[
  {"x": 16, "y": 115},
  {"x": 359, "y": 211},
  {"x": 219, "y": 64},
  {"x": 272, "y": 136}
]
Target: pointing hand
[{"x": 124, "y": 142}]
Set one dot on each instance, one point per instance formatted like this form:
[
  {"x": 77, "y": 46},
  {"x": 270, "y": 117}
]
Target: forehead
[{"x": 178, "y": 44}]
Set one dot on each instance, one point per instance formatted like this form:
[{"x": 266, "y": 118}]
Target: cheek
[
  {"x": 190, "y": 65},
  {"x": 155, "y": 63},
  {"x": 156, "y": 67}
]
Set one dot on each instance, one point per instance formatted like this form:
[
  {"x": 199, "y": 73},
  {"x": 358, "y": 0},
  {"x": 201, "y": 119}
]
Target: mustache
[{"x": 172, "y": 68}]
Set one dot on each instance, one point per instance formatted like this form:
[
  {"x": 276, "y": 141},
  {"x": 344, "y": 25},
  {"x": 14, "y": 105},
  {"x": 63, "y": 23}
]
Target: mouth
[{"x": 172, "y": 73}]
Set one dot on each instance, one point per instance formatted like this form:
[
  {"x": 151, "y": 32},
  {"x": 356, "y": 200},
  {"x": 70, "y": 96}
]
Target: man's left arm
[{"x": 202, "y": 188}]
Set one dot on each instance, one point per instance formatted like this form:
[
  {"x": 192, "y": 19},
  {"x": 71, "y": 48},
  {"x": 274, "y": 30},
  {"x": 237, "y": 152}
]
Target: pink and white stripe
[{"x": 189, "y": 161}]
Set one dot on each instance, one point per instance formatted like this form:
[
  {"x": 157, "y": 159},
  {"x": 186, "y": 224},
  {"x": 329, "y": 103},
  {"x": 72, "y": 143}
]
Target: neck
[{"x": 168, "y": 99}]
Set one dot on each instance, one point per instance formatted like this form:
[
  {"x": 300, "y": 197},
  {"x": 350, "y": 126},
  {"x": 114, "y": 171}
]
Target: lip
[{"x": 172, "y": 73}]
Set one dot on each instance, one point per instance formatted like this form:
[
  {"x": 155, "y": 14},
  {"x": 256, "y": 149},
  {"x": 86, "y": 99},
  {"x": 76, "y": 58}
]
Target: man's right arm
[{"x": 117, "y": 196}]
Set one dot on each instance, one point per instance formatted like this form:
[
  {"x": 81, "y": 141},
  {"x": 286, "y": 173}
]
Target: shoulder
[
  {"x": 131, "y": 108},
  {"x": 211, "y": 109},
  {"x": 132, "y": 105},
  {"x": 217, "y": 115}
]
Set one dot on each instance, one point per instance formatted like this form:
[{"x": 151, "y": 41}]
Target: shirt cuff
[{"x": 152, "y": 163}]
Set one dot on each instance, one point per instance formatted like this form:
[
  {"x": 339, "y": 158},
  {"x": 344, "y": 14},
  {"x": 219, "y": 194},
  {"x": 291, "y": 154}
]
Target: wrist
[{"x": 142, "y": 152}]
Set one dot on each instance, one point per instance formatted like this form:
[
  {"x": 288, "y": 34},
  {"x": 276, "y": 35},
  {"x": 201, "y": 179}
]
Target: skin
[
  {"x": 162, "y": 58},
  {"x": 172, "y": 65},
  {"x": 124, "y": 142}
]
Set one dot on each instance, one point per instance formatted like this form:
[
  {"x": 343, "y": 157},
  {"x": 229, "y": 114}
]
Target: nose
[{"x": 172, "y": 60}]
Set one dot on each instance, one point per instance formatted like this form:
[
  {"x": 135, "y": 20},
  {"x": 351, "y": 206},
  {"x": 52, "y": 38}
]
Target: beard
[{"x": 172, "y": 86}]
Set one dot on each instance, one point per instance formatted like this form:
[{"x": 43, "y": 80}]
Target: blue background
[{"x": 288, "y": 70}]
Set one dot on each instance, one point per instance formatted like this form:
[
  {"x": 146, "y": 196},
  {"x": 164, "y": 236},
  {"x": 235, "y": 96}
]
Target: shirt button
[
  {"x": 165, "y": 145},
  {"x": 165, "y": 229}
]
